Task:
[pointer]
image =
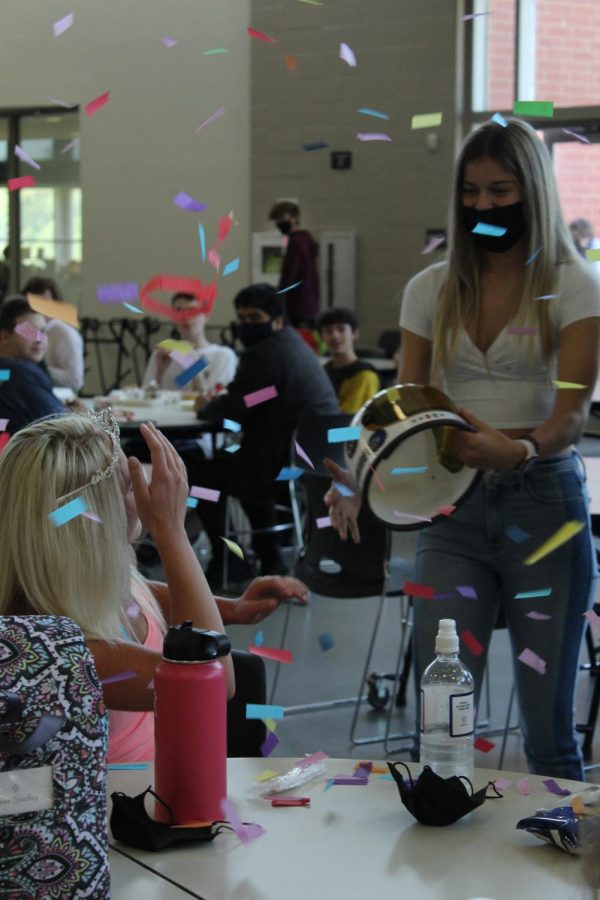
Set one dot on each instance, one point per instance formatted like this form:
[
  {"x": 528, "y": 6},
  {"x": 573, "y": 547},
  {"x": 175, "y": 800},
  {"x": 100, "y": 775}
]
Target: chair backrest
[{"x": 329, "y": 565}]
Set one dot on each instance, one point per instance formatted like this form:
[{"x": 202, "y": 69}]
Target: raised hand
[{"x": 343, "y": 511}]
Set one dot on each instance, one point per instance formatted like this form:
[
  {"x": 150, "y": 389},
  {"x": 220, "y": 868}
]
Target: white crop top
[{"x": 515, "y": 389}]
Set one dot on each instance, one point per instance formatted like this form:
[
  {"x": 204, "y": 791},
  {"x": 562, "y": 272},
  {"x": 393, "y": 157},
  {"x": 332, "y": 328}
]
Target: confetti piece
[
  {"x": 127, "y": 767},
  {"x": 264, "y": 711},
  {"x": 97, "y": 103},
  {"x": 290, "y": 287},
  {"x": 4, "y": 374},
  {"x": 173, "y": 344},
  {"x": 212, "y": 118},
  {"x": 246, "y": 833},
  {"x": 269, "y": 744},
  {"x": 203, "y": 493},
  {"x": 69, "y": 146},
  {"x": 524, "y": 787},
  {"x": 92, "y": 516},
  {"x": 266, "y": 775},
  {"x": 231, "y": 267},
  {"x": 259, "y": 638},
  {"x": 432, "y": 244},
  {"x": 366, "y": 111},
  {"x": 339, "y": 435},
  {"x": 426, "y": 120},
  {"x": 347, "y": 55},
  {"x": 343, "y": 489},
  {"x": 378, "y": 480},
  {"x": 4, "y": 439},
  {"x": 534, "y": 256},
  {"x": 522, "y": 329},
  {"x": 315, "y": 145},
  {"x": 260, "y": 35},
  {"x": 117, "y": 292},
  {"x": 29, "y": 332},
  {"x": 446, "y": 510},
  {"x": 270, "y": 724},
  {"x": 64, "y": 103},
  {"x": 169, "y": 42},
  {"x": 555, "y": 788},
  {"x": 499, "y": 120},
  {"x": 408, "y": 470},
  {"x": 186, "y": 376},
  {"x": 501, "y": 784},
  {"x": 305, "y": 761},
  {"x": 483, "y": 745},
  {"x": 235, "y": 548},
  {"x": 592, "y": 255},
  {"x": 62, "y": 25},
  {"x": 580, "y": 137},
  {"x": 531, "y": 659},
  {"x": 230, "y": 425},
  {"x": 324, "y": 522},
  {"x": 466, "y": 591},
  {"x": 489, "y": 230},
  {"x": 569, "y": 385},
  {"x": 594, "y": 622},
  {"x": 560, "y": 537},
  {"x": 192, "y": 503},
  {"x": 471, "y": 642},
  {"x": 303, "y": 455},
  {"x": 326, "y": 641},
  {"x": 405, "y": 515},
  {"x": 277, "y": 655},
  {"x": 224, "y": 228},
  {"x": 261, "y": 396},
  {"x": 133, "y": 308},
  {"x": 542, "y": 108},
  {"x": 184, "y": 201},
  {"x": 350, "y": 780},
  {"x": 468, "y": 16},
  {"x": 548, "y": 297},
  {"x": 202, "y": 238},
  {"x": 418, "y": 590},
  {"x": 215, "y": 51},
  {"x": 3, "y": 424},
  {"x": 122, "y": 676},
  {"x": 373, "y": 136},
  {"x": 516, "y": 534},
  {"x": 539, "y": 617},
  {"x": 67, "y": 512},
  {"x": 24, "y": 157},
  {"x": 363, "y": 770},
  {"x": 233, "y": 448},
  {"x": 527, "y": 595},
  {"x": 291, "y": 801},
  {"x": 289, "y": 473},
  {"x": 25, "y": 181},
  {"x": 291, "y": 63}
]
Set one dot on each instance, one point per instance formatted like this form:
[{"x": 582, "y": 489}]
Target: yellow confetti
[
  {"x": 560, "y": 537},
  {"x": 592, "y": 255},
  {"x": 570, "y": 384},
  {"x": 266, "y": 775},
  {"x": 235, "y": 548},
  {"x": 180, "y": 346},
  {"x": 271, "y": 724},
  {"x": 426, "y": 120}
]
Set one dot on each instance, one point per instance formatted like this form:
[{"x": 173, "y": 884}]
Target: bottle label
[{"x": 461, "y": 715}]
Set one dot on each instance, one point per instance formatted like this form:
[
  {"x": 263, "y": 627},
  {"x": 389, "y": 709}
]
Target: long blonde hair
[
  {"x": 517, "y": 148},
  {"x": 80, "y": 569}
]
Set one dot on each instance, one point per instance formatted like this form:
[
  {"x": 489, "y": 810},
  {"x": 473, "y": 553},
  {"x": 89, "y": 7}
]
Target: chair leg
[
  {"x": 367, "y": 664},
  {"x": 399, "y": 683},
  {"x": 296, "y": 517}
]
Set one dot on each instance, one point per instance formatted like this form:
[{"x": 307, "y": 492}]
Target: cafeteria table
[{"x": 361, "y": 842}]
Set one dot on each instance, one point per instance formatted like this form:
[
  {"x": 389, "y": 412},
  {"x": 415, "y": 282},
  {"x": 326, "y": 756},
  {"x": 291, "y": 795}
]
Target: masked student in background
[{"x": 509, "y": 327}]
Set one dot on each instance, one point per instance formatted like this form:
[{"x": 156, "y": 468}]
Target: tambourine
[{"x": 404, "y": 461}]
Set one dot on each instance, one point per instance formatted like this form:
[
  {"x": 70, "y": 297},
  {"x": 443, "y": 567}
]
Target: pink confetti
[
  {"x": 3, "y": 424},
  {"x": 122, "y": 676},
  {"x": 347, "y": 54},
  {"x": 224, "y": 227},
  {"x": 303, "y": 455},
  {"x": 470, "y": 641},
  {"x": 378, "y": 480},
  {"x": 594, "y": 622},
  {"x": 25, "y": 181},
  {"x": 261, "y": 396},
  {"x": 523, "y": 787},
  {"x": 97, "y": 103},
  {"x": 502, "y": 783},
  {"x": 324, "y": 522},
  {"x": 24, "y": 157},
  {"x": 274, "y": 653},
  {"x": 4, "y": 439},
  {"x": 372, "y": 136},
  {"x": 61, "y": 25},
  {"x": 184, "y": 360},
  {"x": 539, "y": 617},
  {"x": 29, "y": 332},
  {"x": 169, "y": 42},
  {"x": 90, "y": 515},
  {"x": 432, "y": 244},
  {"x": 446, "y": 510},
  {"x": 214, "y": 259},
  {"x": 260, "y": 35},
  {"x": 216, "y": 115},
  {"x": 203, "y": 493},
  {"x": 483, "y": 745},
  {"x": 531, "y": 659},
  {"x": 305, "y": 761},
  {"x": 246, "y": 833}
]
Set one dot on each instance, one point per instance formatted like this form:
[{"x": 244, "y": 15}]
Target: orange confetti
[{"x": 291, "y": 63}]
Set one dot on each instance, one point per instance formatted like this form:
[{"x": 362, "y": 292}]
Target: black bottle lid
[{"x": 184, "y": 643}]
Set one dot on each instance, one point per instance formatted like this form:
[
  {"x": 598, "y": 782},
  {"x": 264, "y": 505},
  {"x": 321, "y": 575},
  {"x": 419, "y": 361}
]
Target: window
[{"x": 40, "y": 226}]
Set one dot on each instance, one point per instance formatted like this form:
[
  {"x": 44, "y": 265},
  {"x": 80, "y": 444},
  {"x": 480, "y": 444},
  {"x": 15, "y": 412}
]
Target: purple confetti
[
  {"x": 555, "y": 788},
  {"x": 117, "y": 292},
  {"x": 580, "y": 137},
  {"x": 269, "y": 745},
  {"x": 303, "y": 455},
  {"x": 169, "y": 42},
  {"x": 348, "y": 779},
  {"x": 467, "y": 591},
  {"x": 63, "y": 24},
  {"x": 216, "y": 115},
  {"x": 246, "y": 833},
  {"x": 324, "y": 522},
  {"x": 122, "y": 676},
  {"x": 531, "y": 659},
  {"x": 539, "y": 617},
  {"x": 188, "y": 203},
  {"x": 372, "y": 136},
  {"x": 24, "y": 157}
]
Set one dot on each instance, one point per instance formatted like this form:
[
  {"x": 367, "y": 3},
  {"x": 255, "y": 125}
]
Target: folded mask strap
[{"x": 398, "y": 778}]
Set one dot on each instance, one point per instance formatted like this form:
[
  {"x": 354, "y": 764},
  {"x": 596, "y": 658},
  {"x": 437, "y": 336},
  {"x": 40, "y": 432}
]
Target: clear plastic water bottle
[{"x": 447, "y": 709}]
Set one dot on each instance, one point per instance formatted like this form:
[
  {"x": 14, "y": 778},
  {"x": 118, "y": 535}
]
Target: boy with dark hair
[
  {"x": 299, "y": 266},
  {"x": 355, "y": 381},
  {"x": 26, "y": 395}
]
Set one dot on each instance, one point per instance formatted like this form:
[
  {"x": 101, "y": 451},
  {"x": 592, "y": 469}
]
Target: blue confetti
[
  {"x": 133, "y": 308},
  {"x": 499, "y": 120},
  {"x": 527, "y": 595},
  {"x": 409, "y": 470},
  {"x": 202, "y": 242},
  {"x": 489, "y": 230},
  {"x": 343, "y": 489},
  {"x": 184, "y": 377},
  {"x": 290, "y": 287},
  {"x": 516, "y": 534},
  {"x": 69, "y": 511},
  {"x": 4, "y": 374},
  {"x": 259, "y": 639},
  {"x": 367, "y": 111},
  {"x": 326, "y": 641},
  {"x": 263, "y": 711},
  {"x": 339, "y": 435},
  {"x": 192, "y": 502},
  {"x": 289, "y": 473},
  {"x": 232, "y": 266},
  {"x": 534, "y": 256},
  {"x": 317, "y": 145},
  {"x": 230, "y": 425},
  {"x": 233, "y": 448}
]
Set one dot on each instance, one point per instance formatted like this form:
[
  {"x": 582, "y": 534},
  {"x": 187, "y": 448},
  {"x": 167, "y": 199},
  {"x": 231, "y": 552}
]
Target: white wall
[
  {"x": 407, "y": 62},
  {"x": 140, "y": 149}
]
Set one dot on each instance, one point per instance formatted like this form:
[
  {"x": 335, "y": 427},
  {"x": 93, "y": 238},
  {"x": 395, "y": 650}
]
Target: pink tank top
[{"x": 131, "y": 734}]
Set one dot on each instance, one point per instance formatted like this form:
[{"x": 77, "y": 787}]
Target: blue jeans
[{"x": 471, "y": 548}]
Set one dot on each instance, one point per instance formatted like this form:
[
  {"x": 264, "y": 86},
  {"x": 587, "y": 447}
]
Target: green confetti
[
  {"x": 542, "y": 108},
  {"x": 426, "y": 120}
]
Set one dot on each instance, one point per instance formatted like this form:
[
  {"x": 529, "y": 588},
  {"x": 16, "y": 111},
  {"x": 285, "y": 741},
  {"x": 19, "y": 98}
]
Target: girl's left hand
[{"x": 486, "y": 448}]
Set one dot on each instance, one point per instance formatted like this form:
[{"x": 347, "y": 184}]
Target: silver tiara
[{"x": 105, "y": 419}]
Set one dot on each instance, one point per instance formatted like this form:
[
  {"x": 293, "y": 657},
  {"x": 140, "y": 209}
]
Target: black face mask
[
  {"x": 512, "y": 218},
  {"x": 438, "y": 801},
  {"x": 250, "y": 333},
  {"x": 285, "y": 227}
]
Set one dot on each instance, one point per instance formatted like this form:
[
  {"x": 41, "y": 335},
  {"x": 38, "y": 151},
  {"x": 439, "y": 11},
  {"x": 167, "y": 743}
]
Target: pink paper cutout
[
  {"x": 502, "y": 783},
  {"x": 274, "y": 653},
  {"x": 203, "y": 493},
  {"x": 305, "y": 761},
  {"x": 539, "y": 617},
  {"x": 246, "y": 833},
  {"x": 97, "y": 103},
  {"x": 30, "y": 333},
  {"x": 324, "y": 522},
  {"x": 523, "y": 787},
  {"x": 25, "y": 181},
  {"x": 252, "y": 32},
  {"x": 214, "y": 259},
  {"x": 303, "y": 455},
  {"x": 212, "y": 118},
  {"x": 470, "y": 641},
  {"x": 531, "y": 659},
  {"x": 261, "y": 396},
  {"x": 24, "y": 157}
]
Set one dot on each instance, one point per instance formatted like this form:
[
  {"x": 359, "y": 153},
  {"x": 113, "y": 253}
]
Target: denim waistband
[{"x": 566, "y": 459}]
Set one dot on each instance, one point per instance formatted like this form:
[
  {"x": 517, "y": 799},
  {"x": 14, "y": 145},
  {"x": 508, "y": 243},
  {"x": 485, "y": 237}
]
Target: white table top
[
  {"x": 130, "y": 881},
  {"x": 360, "y": 842}
]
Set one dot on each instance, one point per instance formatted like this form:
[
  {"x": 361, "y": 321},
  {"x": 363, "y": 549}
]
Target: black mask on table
[
  {"x": 510, "y": 217},
  {"x": 252, "y": 332}
]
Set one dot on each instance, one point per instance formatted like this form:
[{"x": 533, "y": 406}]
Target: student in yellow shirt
[{"x": 354, "y": 380}]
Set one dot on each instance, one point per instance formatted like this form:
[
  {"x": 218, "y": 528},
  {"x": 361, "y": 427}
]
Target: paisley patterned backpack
[{"x": 53, "y": 743}]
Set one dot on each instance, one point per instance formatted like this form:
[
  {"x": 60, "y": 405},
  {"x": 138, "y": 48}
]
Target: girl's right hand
[
  {"x": 162, "y": 504},
  {"x": 343, "y": 511}
]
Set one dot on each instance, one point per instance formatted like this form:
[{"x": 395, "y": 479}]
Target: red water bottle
[{"x": 190, "y": 725}]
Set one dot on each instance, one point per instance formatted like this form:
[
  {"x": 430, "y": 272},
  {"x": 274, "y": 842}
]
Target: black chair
[
  {"x": 246, "y": 736},
  {"x": 389, "y": 342}
]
